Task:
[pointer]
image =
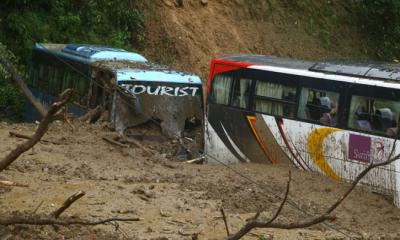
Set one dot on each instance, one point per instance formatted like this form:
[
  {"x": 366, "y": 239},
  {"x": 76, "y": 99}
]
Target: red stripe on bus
[
  {"x": 221, "y": 66},
  {"x": 260, "y": 141},
  {"x": 280, "y": 127}
]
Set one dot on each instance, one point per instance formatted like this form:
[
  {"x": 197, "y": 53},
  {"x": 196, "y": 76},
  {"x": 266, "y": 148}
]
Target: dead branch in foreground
[
  {"x": 29, "y": 219},
  {"x": 255, "y": 223},
  {"x": 38, "y": 220},
  {"x": 42, "y": 129}
]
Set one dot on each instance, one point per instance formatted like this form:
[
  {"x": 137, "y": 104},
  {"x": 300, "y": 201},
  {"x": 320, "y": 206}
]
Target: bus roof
[
  {"x": 90, "y": 53},
  {"x": 153, "y": 75},
  {"x": 360, "y": 69}
]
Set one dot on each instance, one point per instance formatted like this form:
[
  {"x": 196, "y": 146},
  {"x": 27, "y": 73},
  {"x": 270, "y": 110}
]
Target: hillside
[{"x": 189, "y": 36}]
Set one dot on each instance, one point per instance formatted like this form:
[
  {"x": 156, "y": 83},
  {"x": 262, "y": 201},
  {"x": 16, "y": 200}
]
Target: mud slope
[{"x": 189, "y": 36}]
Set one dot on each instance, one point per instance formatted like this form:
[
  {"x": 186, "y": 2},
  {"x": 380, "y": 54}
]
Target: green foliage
[
  {"x": 380, "y": 23},
  {"x": 11, "y": 100},
  {"x": 118, "y": 23}
]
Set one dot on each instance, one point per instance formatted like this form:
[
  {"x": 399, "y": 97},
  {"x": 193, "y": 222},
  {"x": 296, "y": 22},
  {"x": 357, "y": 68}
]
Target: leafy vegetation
[
  {"x": 380, "y": 23},
  {"x": 117, "y": 23},
  {"x": 11, "y": 100}
]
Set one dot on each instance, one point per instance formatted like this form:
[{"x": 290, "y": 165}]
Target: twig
[
  {"x": 253, "y": 223},
  {"x": 136, "y": 143},
  {"x": 67, "y": 120},
  {"x": 112, "y": 141},
  {"x": 68, "y": 203},
  {"x": 12, "y": 184},
  {"x": 195, "y": 160},
  {"x": 225, "y": 221},
  {"x": 38, "y": 206},
  {"x": 283, "y": 200}
]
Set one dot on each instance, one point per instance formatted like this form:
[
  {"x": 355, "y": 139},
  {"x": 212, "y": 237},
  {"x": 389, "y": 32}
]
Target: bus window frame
[
  {"x": 369, "y": 91},
  {"x": 324, "y": 85}
]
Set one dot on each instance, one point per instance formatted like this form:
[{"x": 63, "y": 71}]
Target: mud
[{"x": 175, "y": 199}]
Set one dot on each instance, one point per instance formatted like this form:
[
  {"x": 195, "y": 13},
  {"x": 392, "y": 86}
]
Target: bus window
[
  {"x": 43, "y": 83},
  {"x": 241, "y": 93},
  {"x": 35, "y": 78},
  {"x": 52, "y": 81},
  {"x": 276, "y": 99},
  {"x": 374, "y": 115},
  {"x": 82, "y": 89},
  {"x": 67, "y": 81},
  {"x": 319, "y": 106},
  {"x": 221, "y": 89}
]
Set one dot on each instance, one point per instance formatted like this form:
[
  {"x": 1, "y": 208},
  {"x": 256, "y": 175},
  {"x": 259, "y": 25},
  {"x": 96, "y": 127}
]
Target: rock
[{"x": 204, "y": 2}]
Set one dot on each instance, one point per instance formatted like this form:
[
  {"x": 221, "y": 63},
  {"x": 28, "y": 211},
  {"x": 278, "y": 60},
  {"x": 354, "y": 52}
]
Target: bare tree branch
[
  {"x": 42, "y": 129},
  {"x": 22, "y": 86},
  {"x": 253, "y": 223},
  {"x": 37, "y": 220},
  {"x": 68, "y": 203}
]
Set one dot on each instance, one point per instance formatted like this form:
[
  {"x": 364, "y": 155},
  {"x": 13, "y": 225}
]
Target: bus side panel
[
  {"x": 340, "y": 154},
  {"x": 229, "y": 136}
]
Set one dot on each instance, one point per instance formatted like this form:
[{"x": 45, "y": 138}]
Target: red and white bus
[{"x": 334, "y": 118}]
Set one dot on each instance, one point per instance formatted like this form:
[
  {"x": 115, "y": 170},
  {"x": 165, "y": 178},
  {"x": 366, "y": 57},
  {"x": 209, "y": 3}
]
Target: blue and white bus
[{"x": 125, "y": 83}]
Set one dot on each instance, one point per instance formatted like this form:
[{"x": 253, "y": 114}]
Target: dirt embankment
[{"x": 189, "y": 36}]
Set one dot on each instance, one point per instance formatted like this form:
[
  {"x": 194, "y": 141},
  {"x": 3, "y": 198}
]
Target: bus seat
[
  {"x": 383, "y": 119},
  {"x": 364, "y": 125}
]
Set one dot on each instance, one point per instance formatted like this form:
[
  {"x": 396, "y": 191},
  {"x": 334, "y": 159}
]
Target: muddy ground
[{"x": 176, "y": 200}]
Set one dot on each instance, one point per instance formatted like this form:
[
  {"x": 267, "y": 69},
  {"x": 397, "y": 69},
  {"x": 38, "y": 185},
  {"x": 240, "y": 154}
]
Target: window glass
[
  {"x": 221, "y": 89},
  {"x": 241, "y": 93},
  {"x": 274, "y": 98},
  {"x": 52, "y": 81},
  {"x": 43, "y": 83},
  {"x": 374, "y": 115},
  {"x": 319, "y": 106},
  {"x": 35, "y": 76},
  {"x": 67, "y": 81}
]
